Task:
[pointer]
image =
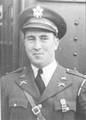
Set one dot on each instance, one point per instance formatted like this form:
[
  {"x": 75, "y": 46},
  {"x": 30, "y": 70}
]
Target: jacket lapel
[
  {"x": 56, "y": 84},
  {"x": 26, "y": 83}
]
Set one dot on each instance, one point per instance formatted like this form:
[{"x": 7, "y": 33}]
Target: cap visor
[{"x": 39, "y": 26}]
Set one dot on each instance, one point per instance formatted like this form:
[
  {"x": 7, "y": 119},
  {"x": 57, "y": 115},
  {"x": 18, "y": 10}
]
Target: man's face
[{"x": 40, "y": 47}]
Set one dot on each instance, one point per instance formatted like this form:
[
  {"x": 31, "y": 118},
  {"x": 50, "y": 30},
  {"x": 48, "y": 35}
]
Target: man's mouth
[{"x": 37, "y": 53}]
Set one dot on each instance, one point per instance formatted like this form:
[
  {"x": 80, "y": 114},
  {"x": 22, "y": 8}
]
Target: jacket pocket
[
  {"x": 65, "y": 100},
  {"x": 17, "y": 102},
  {"x": 70, "y": 105}
]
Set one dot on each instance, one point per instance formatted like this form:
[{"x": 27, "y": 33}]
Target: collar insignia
[
  {"x": 63, "y": 78},
  {"x": 38, "y": 12},
  {"x": 61, "y": 84},
  {"x": 22, "y": 76},
  {"x": 23, "y": 82}
]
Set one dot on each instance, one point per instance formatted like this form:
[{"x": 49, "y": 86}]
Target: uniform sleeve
[
  {"x": 4, "y": 101},
  {"x": 81, "y": 102}
]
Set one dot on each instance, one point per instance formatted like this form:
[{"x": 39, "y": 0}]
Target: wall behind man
[
  {"x": 72, "y": 49},
  {"x": 9, "y": 45}
]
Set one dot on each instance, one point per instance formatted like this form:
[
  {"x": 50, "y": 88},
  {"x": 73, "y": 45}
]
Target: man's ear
[{"x": 56, "y": 43}]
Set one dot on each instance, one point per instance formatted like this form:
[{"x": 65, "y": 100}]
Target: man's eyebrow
[
  {"x": 43, "y": 36},
  {"x": 30, "y": 36}
]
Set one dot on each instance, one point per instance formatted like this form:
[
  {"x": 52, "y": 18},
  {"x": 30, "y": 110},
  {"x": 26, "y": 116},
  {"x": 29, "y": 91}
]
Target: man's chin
[
  {"x": 38, "y": 57},
  {"x": 38, "y": 63}
]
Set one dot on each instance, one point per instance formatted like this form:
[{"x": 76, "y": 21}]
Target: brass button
[
  {"x": 15, "y": 105},
  {"x": 67, "y": 70}
]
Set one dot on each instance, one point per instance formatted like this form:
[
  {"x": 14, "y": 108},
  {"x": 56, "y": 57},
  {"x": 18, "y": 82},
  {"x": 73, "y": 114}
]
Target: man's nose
[{"x": 37, "y": 44}]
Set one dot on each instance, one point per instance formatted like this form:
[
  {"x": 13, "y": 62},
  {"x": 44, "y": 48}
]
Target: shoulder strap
[
  {"x": 19, "y": 70},
  {"x": 75, "y": 72},
  {"x": 79, "y": 91},
  {"x": 36, "y": 109}
]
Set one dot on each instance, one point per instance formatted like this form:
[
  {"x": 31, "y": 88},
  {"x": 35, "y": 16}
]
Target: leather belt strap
[{"x": 36, "y": 109}]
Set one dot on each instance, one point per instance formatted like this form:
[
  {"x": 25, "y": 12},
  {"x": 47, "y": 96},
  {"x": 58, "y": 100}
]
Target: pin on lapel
[
  {"x": 23, "y": 82},
  {"x": 61, "y": 84},
  {"x": 63, "y": 78},
  {"x": 64, "y": 106},
  {"x": 22, "y": 76}
]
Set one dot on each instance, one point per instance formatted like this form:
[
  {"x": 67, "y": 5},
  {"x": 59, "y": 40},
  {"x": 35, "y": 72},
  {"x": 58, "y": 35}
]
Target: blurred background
[{"x": 72, "y": 49}]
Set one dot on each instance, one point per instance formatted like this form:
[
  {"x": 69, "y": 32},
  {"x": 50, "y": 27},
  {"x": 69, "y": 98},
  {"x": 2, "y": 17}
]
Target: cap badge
[{"x": 38, "y": 12}]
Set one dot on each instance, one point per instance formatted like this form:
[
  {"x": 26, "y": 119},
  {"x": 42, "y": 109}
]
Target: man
[{"x": 46, "y": 91}]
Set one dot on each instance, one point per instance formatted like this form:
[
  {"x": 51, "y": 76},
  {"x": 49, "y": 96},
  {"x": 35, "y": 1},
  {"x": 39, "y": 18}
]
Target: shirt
[{"x": 47, "y": 72}]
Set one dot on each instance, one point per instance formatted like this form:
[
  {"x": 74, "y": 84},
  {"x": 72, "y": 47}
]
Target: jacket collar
[
  {"x": 56, "y": 85},
  {"x": 26, "y": 82}
]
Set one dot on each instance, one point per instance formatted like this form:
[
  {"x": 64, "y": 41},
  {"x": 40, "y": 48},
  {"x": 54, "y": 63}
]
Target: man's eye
[
  {"x": 31, "y": 38},
  {"x": 44, "y": 38}
]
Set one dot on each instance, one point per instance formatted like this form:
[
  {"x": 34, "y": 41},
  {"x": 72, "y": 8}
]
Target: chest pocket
[
  {"x": 18, "y": 100},
  {"x": 66, "y": 97}
]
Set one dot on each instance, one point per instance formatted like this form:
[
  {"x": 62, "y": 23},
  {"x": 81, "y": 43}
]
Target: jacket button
[
  {"x": 67, "y": 70},
  {"x": 15, "y": 105}
]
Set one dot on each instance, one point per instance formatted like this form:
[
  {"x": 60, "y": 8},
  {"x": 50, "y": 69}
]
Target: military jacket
[{"x": 63, "y": 99}]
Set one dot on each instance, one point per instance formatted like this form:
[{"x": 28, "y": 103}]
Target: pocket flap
[
  {"x": 70, "y": 104},
  {"x": 16, "y": 102}
]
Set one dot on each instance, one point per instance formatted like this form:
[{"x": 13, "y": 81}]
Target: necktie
[{"x": 39, "y": 81}]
